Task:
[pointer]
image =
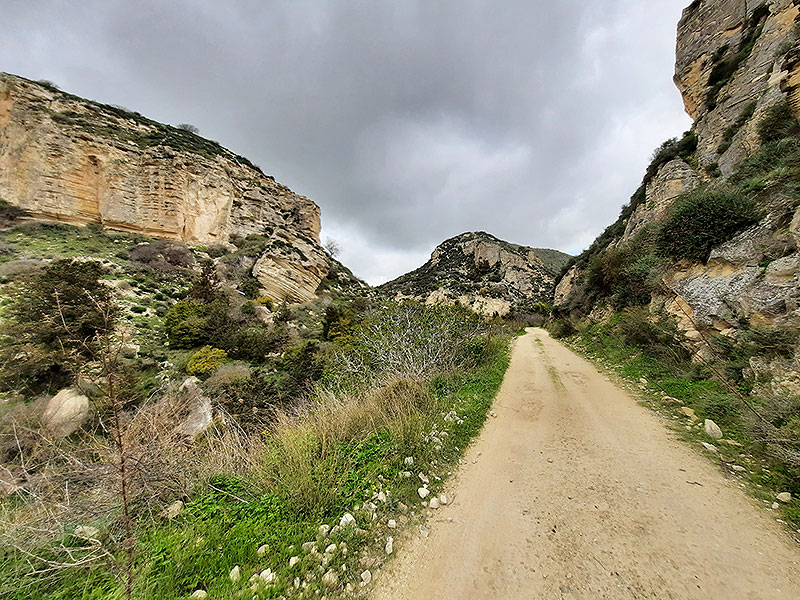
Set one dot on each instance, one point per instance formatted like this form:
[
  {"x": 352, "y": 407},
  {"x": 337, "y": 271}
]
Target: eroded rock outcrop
[
  {"x": 67, "y": 159},
  {"x": 672, "y": 179},
  {"x": 482, "y": 273},
  {"x": 731, "y": 53}
]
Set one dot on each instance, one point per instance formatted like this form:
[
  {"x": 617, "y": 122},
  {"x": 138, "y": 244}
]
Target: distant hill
[{"x": 483, "y": 273}]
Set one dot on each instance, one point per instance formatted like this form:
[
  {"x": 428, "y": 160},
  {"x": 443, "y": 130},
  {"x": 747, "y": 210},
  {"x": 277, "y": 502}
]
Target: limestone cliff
[
  {"x": 735, "y": 57},
  {"x": 737, "y": 67},
  {"x": 67, "y": 159},
  {"x": 483, "y": 273}
]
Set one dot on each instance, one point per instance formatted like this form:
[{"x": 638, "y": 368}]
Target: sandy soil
[{"x": 579, "y": 492}]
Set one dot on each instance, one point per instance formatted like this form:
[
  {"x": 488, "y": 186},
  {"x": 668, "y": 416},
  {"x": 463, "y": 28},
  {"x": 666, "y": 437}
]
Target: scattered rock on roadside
[
  {"x": 330, "y": 579},
  {"x": 199, "y": 594},
  {"x": 424, "y": 531},
  {"x": 235, "y": 574},
  {"x": 262, "y": 550},
  {"x": 784, "y": 497},
  {"x": 389, "y": 545},
  {"x": 710, "y": 447},
  {"x": 366, "y": 576},
  {"x": 712, "y": 429},
  {"x": 392, "y": 524},
  {"x": 347, "y": 519},
  {"x": 688, "y": 412},
  {"x": 423, "y": 492},
  {"x": 443, "y": 499}
]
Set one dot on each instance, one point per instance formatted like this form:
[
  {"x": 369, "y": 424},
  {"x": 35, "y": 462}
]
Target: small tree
[
  {"x": 189, "y": 127},
  {"x": 332, "y": 246}
]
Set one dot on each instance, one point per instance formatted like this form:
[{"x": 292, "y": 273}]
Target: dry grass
[
  {"x": 305, "y": 457},
  {"x": 59, "y": 484}
]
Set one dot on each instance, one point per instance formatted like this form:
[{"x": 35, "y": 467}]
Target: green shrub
[
  {"x": 778, "y": 123},
  {"x": 53, "y": 320},
  {"x": 703, "y": 219},
  {"x": 206, "y": 361},
  {"x": 670, "y": 150},
  {"x": 186, "y": 324},
  {"x": 266, "y": 301}
]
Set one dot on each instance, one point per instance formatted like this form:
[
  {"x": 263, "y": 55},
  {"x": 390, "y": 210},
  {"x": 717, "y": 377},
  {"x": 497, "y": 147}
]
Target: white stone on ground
[
  {"x": 712, "y": 429},
  {"x": 235, "y": 574},
  {"x": 709, "y": 447},
  {"x": 293, "y": 561},
  {"x": 389, "y": 545},
  {"x": 262, "y": 550},
  {"x": 366, "y": 576},
  {"x": 86, "y": 531},
  {"x": 330, "y": 579},
  {"x": 784, "y": 497},
  {"x": 347, "y": 519},
  {"x": 423, "y": 492},
  {"x": 442, "y": 499},
  {"x": 173, "y": 510},
  {"x": 434, "y": 503},
  {"x": 199, "y": 594},
  {"x": 392, "y": 524}
]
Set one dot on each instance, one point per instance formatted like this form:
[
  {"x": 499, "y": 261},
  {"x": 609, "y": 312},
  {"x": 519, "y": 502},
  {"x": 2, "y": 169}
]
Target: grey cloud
[{"x": 408, "y": 122}]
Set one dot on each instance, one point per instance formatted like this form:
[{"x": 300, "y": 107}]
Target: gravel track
[{"x": 576, "y": 491}]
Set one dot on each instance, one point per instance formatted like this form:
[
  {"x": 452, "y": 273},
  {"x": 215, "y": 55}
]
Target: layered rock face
[
  {"x": 734, "y": 61},
  {"x": 67, "y": 159},
  {"x": 482, "y": 273},
  {"x": 732, "y": 53}
]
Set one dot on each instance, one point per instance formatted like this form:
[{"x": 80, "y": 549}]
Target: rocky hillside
[
  {"x": 711, "y": 237},
  {"x": 483, "y": 273},
  {"x": 74, "y": 161}
]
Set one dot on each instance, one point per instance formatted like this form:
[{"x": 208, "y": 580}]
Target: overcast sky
[{"x": 407, "y": 122}]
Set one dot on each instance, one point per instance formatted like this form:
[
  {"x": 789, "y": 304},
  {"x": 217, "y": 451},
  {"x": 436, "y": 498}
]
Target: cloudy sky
[{"x": 408, "y": 122}]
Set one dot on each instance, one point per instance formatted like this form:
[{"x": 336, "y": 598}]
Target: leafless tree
[
  {"x": 189, "y": 127},
  {"x": 332, "y": 246}
]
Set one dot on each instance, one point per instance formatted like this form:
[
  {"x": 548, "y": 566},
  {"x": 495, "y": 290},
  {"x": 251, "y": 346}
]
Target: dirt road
[{"x": 578, "y": 492}]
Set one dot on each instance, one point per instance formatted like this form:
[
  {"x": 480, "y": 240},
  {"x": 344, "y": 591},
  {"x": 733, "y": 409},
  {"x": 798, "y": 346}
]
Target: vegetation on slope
[
  {"x": 627, "y": 274},
  {"x": 316, "y": 410}
]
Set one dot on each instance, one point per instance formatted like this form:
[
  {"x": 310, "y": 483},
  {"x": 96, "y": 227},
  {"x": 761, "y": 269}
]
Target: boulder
[
  {"x": 712, "y": 429},
  {"x": 66, "y": 412},
  {"x": 199, "y": 418},
  {"x": 784, "y": 497},
  {"x": 688, "y": 412}
]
